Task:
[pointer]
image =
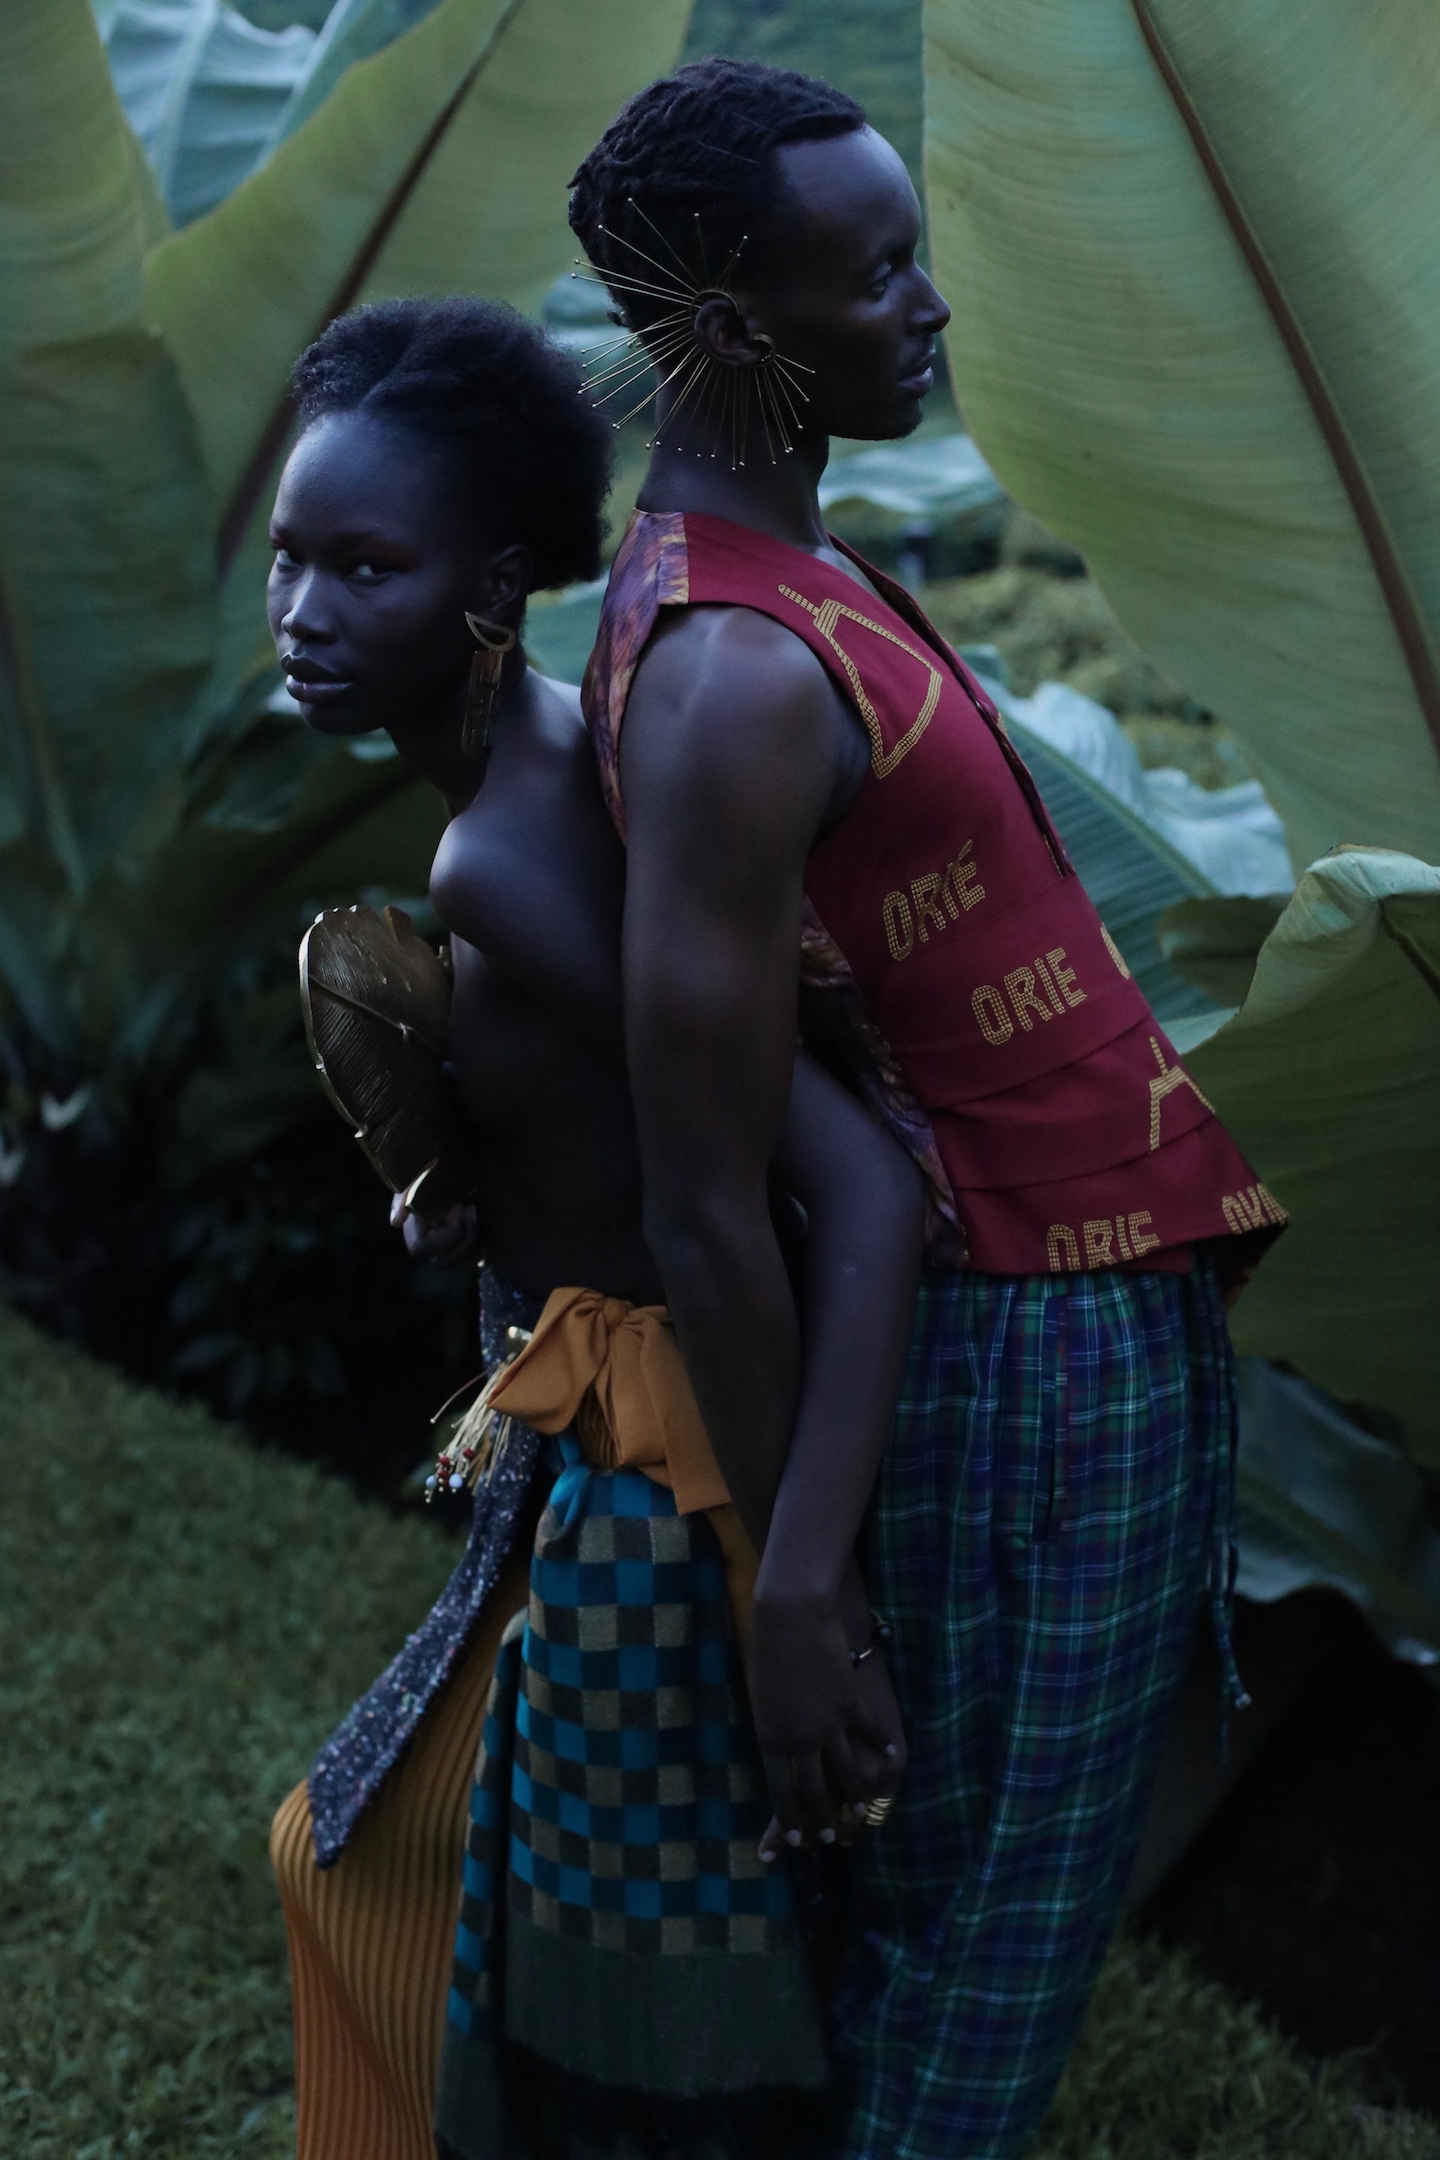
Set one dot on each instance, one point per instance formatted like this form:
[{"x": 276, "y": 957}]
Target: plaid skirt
[
  {"x": 1055, "y": 1504},
  {"x": 617, "y": 1920}
]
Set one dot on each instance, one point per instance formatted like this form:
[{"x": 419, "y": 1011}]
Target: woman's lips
[{"x": 309, "y": 691}]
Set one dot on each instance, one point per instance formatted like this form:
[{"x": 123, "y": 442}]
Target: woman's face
[
  {"x": 375, "y": 565},
  {"x": 846, "y": 297}
]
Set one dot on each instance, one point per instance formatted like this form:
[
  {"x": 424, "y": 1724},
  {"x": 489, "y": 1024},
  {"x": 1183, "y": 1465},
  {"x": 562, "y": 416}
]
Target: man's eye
[
  {"x": 284, "y": 559},
  {"x": 368, "y": 573}
]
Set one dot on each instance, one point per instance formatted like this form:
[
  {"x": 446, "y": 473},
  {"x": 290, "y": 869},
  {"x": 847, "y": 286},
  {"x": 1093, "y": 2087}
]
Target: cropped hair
[
  {"x": 489, "y": 389},
  {"x": 687, "y": 170}
]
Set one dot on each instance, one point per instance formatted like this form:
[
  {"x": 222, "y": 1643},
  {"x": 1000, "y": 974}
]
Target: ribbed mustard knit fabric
[{"x": 371, "y": 1939}]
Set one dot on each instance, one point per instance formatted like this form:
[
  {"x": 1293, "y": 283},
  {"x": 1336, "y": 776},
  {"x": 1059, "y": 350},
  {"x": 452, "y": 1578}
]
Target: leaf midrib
[
  {"x": 1411, "y": 629},
  {"x": 235, "y": 522}
]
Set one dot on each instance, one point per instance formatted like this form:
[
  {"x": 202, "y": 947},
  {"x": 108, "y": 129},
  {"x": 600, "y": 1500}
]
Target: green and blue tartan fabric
[
  {"x": 1055, "y": 1502},
  {"x": 616, "y": 1917}
]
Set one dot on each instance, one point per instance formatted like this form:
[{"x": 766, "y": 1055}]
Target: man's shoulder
[{"x": 711, "y": 655}]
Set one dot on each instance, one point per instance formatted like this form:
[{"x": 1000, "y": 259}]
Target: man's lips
[{"x": 919, "y": 380}]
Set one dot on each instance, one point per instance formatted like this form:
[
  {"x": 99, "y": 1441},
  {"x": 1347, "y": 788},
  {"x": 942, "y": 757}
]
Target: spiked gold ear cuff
[
  {"x": 494, "y": 641},
  {"x": 714, "y": 390}
]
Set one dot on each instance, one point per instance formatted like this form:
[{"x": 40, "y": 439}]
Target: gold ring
[{"x": 877, "y": 1810}]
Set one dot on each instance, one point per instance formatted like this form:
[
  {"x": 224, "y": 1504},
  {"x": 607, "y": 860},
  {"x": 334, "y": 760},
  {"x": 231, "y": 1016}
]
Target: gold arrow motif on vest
[
  {"x": 1171, "y": 1077},
  {"x": 827, "y": 614}
]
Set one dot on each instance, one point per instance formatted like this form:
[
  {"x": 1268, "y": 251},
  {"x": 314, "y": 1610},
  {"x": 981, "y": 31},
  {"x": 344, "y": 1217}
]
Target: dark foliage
[
  {"x": 1316, "y": 1889},
  {"x": 269, "y": 1284}
]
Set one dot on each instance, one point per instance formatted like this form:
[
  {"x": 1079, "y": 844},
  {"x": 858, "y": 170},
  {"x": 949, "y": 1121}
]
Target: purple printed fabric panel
[{"x": 369, "y": 1740}]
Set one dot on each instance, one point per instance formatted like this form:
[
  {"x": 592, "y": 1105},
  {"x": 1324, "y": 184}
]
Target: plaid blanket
[{"x": 1056, "y": 1499}]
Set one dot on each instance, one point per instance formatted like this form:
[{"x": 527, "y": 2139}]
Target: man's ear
[
  {"x": 722, "y": 331},
  {"x": 504, "y": 585}
]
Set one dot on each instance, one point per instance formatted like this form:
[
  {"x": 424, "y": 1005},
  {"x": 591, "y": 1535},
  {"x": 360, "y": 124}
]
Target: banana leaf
[
  {"x": 1321, "y": 1501},
  {"x": 1191, "y": 249},
  {"x": 106, "y": 595},
  {"x": 203, "y": 89},
  {"x": 210, "y": 95},
  {"x": 150, "y": 818},
  {"x": 439, "y": 164},
  {"x": 75, "y": 213},
  {"x": 353, "y": 30},
  {"x": 1329, "y": 1078}
]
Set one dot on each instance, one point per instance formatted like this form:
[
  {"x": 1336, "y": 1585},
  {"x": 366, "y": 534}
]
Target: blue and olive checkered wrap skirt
[
  {"x": 616, "y": 1917},
  {"x": 1054, "y": 1507}
]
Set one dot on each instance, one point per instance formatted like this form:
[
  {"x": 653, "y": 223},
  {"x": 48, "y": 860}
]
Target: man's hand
[
  {"x": 829, "y": 1729},
  {"x": 449, "y": 1242}
]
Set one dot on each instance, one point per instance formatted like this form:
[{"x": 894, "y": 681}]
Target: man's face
[
  {"x": 843, "y": 294},
  {"x": 374, "y": 568}
]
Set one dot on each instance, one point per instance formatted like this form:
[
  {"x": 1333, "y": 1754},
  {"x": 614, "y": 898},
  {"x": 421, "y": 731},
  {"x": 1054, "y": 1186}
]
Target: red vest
[{"x": 1071, "y": 1134}]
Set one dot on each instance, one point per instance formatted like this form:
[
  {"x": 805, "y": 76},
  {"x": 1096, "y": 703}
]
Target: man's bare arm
[{"x": 735, "y": 751}]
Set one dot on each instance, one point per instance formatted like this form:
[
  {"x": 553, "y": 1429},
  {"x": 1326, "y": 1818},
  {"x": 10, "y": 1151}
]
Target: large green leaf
[
  {"x": 75, "y": 215},
  {"x": 105, "y": 588},
  {"x": 438, "y": 165},
  {"x": 1324, "y": 1502},
  {"x": 1191, "y": 249},
  {"x": 203, "y": 89},
  {"x": 106, "y": 524},
  {"x": 1329, "y": 1079},
  {"x": 354, "y": 29}
]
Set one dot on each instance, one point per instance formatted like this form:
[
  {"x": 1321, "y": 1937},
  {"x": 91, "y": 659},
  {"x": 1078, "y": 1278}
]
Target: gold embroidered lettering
[
  {"x": 1050, "y": 991},
  {"x": 1064, "y": 976},
  {"x": 989, "y": 1009},
  {"x": 1125, "y": 1252},
  {"x": 926, "y": 891},
  {"x": 1062, "y": 1253},
  {"x": 960, "y": 877},
  {"x": 1141, "y": 1239},
  {"x": 899, "y": 926},
  {"x": 1020, "y": 988},
  {"x": 1171, "y": 1077},
  {"x": 1251, "y": 1209},
  {"x": 1097, "y": 1243},
  {"x": 1115, "y": 953}
]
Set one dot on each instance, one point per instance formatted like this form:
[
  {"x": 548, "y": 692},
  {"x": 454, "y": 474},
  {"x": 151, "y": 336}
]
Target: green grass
[{"x": 182, "y": 1619}]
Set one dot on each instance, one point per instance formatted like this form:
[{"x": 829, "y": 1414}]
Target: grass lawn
[{"x": 183, "y": 1618}]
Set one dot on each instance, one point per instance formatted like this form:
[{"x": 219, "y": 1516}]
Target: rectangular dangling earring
[{"x": 494, "y": 641}]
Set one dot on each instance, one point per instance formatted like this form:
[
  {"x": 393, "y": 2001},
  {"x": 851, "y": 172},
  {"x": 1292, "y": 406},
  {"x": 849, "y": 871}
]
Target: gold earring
[
  {"x": 494, "y": 641},
  {"x": 716, "y": 394}
]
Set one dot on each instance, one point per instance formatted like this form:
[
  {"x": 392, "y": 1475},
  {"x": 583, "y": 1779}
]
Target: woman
[{"x": 445, "y": 469}]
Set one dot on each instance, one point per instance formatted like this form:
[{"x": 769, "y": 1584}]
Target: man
[{"x": 797, "y": 761}]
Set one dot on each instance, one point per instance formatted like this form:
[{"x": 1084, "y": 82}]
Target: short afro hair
[
  {"x": 699, "y": 144},
  {"x": 488, "y": 388}
]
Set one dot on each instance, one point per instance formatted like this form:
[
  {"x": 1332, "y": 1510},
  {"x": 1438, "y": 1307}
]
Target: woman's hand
[
  {"x": 448, "y": 1242},
  {"x": 829, "y": 1729}
]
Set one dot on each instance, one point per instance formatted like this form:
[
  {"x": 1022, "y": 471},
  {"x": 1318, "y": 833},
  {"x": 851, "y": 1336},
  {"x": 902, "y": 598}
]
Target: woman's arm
[{"x": 865, "y": 1204}]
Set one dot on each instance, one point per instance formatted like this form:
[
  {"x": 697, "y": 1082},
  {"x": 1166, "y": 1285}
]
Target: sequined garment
[{"x": 365, "y": 1746}]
